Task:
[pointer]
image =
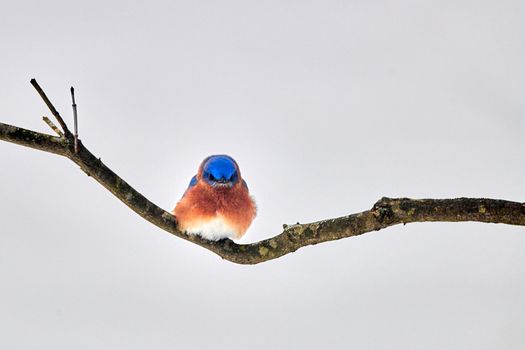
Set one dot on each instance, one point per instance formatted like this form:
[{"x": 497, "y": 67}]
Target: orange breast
[{"x": 203, "y": 202}]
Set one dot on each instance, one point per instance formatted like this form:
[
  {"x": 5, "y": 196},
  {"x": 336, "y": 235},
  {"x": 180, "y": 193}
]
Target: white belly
[{"x": 212, "y": 230}]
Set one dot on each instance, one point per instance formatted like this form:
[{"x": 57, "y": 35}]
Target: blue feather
[{"x": 193, "y": 181}]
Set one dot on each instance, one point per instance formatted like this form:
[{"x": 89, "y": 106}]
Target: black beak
[{"x": 222, "y": 182}]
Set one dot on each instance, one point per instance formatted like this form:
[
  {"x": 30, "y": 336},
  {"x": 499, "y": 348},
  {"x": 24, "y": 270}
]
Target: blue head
[{"x": 220, "y": 170}]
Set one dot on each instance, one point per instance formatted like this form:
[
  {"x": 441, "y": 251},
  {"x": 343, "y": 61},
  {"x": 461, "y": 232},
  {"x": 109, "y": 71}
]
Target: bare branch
[
  {"x": 53, "y": 126},
  {"x": 386, "y": 212},
  {"x": 36, "y": 140},
  {"x": 75, "y": 118},
  {"x": 51, "y": 107}
]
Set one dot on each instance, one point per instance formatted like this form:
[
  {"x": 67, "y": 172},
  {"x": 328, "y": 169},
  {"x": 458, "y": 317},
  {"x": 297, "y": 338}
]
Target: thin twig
[
  {"x": 53, "y": 126},
  {"x": 75, "y": 118},
  {"x": 51, "y": 107}
]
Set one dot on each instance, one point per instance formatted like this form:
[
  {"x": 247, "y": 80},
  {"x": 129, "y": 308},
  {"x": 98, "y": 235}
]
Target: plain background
[{"x": 327, "y": 106}]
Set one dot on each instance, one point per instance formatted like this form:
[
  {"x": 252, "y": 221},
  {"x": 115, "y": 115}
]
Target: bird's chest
[{"x": 218, "y": 203}]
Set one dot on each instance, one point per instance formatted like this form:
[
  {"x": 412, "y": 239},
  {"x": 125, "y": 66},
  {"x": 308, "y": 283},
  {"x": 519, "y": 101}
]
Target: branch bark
[{"x": 385, "y": 212}]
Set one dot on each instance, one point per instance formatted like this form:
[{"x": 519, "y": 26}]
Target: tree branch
[
  {"x": 386, "y": 212},
  {"x": 52, "y": 126},
  {"x": 51, "y": 107}
]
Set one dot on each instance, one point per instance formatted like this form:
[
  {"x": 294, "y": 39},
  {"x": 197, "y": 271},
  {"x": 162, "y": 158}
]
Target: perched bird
[{"x": 217, "y": 203}]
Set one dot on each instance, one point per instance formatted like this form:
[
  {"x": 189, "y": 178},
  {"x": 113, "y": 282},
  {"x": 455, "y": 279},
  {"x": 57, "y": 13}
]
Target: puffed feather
[{"x": 216, "y": 212}]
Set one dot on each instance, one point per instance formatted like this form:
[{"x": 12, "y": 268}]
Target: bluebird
[{"x": 217, "y": 203}]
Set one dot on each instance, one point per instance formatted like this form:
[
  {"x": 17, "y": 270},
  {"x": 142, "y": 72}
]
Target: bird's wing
[{"x": 193, "y": 182}]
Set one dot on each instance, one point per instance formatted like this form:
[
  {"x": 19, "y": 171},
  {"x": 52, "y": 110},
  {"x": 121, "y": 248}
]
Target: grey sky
[{"x": 326, "y": 106}]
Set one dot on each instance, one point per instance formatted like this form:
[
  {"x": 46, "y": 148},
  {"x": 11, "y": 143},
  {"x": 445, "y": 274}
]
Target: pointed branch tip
[
  {"x": 75, "y": 119},
  {"x": 53, "y": 126},
  {"x": 51, "y": 107}
]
